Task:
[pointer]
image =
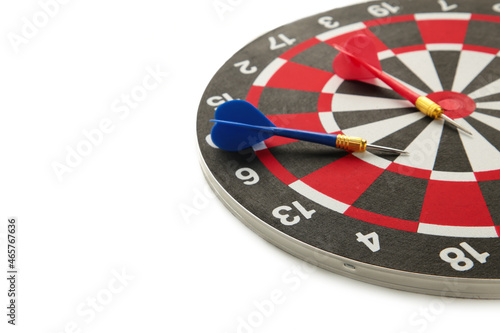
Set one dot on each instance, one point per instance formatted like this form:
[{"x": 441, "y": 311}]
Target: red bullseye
[{"x": 455, "y": 105}]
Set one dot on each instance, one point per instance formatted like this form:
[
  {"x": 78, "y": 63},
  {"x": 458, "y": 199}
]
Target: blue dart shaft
[{"x": 321, "y": 138}]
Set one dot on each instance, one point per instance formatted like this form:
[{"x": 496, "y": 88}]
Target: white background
[{"x": 118, "y": 211}]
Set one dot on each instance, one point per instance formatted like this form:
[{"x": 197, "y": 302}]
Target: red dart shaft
[{"x": 398, "y": 87}]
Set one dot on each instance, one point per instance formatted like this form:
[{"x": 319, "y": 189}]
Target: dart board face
[{"x": 426, "y": 222}]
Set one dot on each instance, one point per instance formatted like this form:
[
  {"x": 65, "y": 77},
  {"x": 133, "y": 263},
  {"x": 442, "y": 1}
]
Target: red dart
[{"x": 358, "y": 60}]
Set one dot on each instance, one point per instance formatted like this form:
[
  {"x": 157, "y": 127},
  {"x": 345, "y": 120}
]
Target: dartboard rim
[
  {"x": 360, "y": 271},
  {"x": 364, "y": 271}
]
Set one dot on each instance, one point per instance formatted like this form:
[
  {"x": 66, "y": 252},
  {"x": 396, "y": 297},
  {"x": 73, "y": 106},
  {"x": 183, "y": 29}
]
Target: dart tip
[
  {"x": 455, "y": 124},
  {"x": 387, "y": 150},
  {"x": 466, "y": 131}
]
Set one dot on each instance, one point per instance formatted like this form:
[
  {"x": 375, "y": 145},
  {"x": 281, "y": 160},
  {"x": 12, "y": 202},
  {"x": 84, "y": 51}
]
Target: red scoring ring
[{"x": 455, "y": 105}]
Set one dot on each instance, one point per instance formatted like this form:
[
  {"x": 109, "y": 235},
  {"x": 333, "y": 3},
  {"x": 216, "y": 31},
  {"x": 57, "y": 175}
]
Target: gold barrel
[
  {"x": 351, "y": 143},
  {"x": 429, "y": 107}
]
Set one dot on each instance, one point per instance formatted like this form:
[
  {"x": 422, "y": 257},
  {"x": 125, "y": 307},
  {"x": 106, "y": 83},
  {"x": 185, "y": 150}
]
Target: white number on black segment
[
  {"x": 287, "y": 219},
  {"x": 445, "y": 7},
  {"x": 216, "y": 101},
  {"x": 246, "y": 68},
  {"x": 383, "y": 10},
  {"x": 371, "y": 240},
  {"x": 458, "y": 260},
  {"x": 328, "y": 22},
  {"x": 249, "y": 176},
  {"x": 479, "y": 257},
  {"x": 284, "y": 41}
]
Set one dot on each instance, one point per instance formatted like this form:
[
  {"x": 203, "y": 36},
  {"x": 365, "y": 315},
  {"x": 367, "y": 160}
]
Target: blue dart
[{"x": 240, "y": 125}]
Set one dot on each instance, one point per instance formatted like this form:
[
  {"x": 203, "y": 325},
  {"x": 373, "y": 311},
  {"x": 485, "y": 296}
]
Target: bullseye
[{"x": 455, "y": 105}]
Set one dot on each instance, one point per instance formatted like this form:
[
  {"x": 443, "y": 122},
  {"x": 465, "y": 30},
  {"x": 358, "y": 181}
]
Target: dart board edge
[{"x": 411, "y": 282}]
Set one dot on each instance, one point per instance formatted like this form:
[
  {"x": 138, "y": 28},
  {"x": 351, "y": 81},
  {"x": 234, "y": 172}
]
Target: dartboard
[{"x": 428, "y": 221}]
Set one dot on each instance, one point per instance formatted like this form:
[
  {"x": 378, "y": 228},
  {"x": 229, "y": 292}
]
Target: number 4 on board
[{"x": 371, "y": 241}]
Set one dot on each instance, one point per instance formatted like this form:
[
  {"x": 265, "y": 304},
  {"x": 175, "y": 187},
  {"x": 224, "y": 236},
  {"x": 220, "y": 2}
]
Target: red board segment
[
  {"x": 412, "y": 48},
  {"x": 272, "y": 164},
  {"x": 382, "y": 220},
  {"x": 409, "y": 171},
  {"x": 299, "y": 48},
  {"x": 443, "y": 31},
  {"x": 340, "y": 40},
  {"x": 299, "y": 77},
  {"x": 487, "y": 18},
  {"x": 325, "y": 102},
  {"x": 484, "y": 176},
  {"x": 254, "y": 94},
  {"x": 455, "y": 204},
  {"x": 390, "y": 20},
  {"x": 345, "y": 179},
  {"x": 482, "y": 49},
  {"x": 300, "y": 121}
]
